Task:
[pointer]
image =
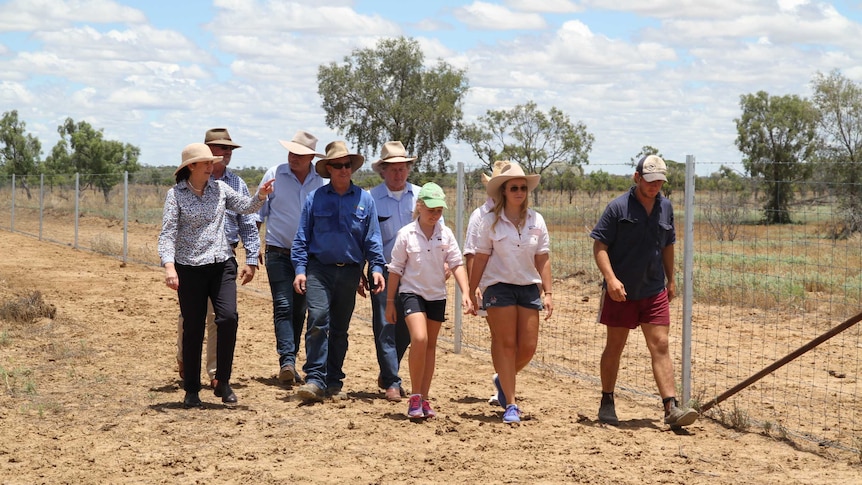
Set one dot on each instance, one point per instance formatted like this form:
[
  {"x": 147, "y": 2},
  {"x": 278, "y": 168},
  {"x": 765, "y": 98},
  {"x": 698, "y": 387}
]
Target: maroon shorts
[{"x": 654, "y": 310}]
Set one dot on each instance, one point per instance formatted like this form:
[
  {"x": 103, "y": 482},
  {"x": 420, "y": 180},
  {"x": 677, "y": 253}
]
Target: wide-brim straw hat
[
  {"x": 334, "y": 150},
  {"x": 302, "y": 143},
  {"x": 393, "y": 152},
  {"x": 509, "y": 171},
  {"x": 219, "y": 136},
  {"x": 498, "y": 165},
  {"x": 196, "y": 152}
]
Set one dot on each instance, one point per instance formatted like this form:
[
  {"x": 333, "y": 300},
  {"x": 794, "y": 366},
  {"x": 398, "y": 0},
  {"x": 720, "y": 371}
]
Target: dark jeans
[
  {"x": 331, "y": 296},
  {"x": 390, "y": 341},
  {"x": 288, "y": 306},
  {"x": 216, "y": 282}
]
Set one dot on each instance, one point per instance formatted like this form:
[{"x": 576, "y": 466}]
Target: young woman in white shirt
[{"x": 512, "y": 267}]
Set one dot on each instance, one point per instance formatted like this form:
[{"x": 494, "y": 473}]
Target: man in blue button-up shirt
[
  {"x": 338, "y": 231},
  {"x": 295, "y": 179}
]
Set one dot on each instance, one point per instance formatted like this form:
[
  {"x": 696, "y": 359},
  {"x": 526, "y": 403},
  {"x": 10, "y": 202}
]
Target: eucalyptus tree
[
  {"x": 388, "y": 93},
  {"x": 777, "y": 136}
]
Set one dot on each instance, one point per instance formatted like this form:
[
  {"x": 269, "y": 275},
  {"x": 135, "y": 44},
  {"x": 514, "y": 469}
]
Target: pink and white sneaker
[{"x": 414, "y": 407}]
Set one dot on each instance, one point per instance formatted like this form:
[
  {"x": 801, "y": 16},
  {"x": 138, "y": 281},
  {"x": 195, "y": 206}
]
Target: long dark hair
[{"x": 183, "y": 174}]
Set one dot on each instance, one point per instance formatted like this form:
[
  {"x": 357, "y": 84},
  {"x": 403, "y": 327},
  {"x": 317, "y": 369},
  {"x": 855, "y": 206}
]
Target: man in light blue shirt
[
  {"x": 338, "y": 231},
  {"x": 295, "y": 180},
  {"x": 395, "y": 199}
]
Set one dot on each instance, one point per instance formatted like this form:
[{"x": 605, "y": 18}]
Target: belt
[
  {"x": 340, "y": 265},
  {"x": 278, "y": 249}
]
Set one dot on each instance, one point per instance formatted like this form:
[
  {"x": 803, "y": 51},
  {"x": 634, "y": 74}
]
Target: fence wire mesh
[{"x": 760, "y": 291}]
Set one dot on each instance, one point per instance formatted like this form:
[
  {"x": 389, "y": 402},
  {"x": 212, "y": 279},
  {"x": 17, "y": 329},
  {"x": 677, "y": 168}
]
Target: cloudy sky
[{"x": 666, "y": 73}]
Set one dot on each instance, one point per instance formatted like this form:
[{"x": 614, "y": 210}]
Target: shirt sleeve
[
  {"x": 544, "y": 237},
  {"x": 247, "y": 226},
  {"x": 483, "y": 242},
  {"x": 472, "y": 228},
  {"x": 399, "y": 253},
  {"x": 239, "y": 203},
  {"x": 453, "y": 256},
  {"x": 605, "y": 230},
  {"x": 168, "y": 236},
  {"x": 264, "y": 210},
  {"x": 299, "y": 249},
  {"x": 373, "y": 239}
]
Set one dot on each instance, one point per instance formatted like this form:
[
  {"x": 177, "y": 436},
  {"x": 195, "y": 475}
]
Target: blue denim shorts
[
  {"x": 505, "y": 294},
  {"x": 433, "y": 310}
]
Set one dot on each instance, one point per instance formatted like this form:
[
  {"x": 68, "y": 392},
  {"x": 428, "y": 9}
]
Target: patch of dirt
[{"x": 92, "y": 396}]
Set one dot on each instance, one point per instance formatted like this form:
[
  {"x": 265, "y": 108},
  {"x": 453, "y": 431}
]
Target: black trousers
[{"x": 216, "y": 282}]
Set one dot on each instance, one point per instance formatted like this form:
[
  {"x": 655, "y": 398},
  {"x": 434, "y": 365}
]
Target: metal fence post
[
  {"x": 41, "y": 203},
  {"x": 459, "y": 231},
  {"x": 12, "y": 219},
  {"x": 688, "y": 283},
  {"x": 77, "y": 200},
  {"x": 125, "y": 217}
]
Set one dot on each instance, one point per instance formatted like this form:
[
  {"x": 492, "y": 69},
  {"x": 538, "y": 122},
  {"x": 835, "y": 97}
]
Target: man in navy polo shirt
[{"x": 633, "y": 248}]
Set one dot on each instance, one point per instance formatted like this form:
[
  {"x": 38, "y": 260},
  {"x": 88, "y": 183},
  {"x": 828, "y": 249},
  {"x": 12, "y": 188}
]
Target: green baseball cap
[{"x": 432, "y": 195}]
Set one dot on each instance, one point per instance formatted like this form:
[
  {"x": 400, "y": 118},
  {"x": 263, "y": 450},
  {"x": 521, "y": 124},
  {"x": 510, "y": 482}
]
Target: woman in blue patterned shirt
[{"x": 200, "y": 265}]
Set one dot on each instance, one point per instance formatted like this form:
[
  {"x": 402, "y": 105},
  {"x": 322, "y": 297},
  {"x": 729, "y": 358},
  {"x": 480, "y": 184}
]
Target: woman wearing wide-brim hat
[
  {"x": 512, "y": 267},
  {"x": 200, "y": 265}
]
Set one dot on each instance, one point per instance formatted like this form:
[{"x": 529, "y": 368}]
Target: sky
[{"x": 664, "y": 73}]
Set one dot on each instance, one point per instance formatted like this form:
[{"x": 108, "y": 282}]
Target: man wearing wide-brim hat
[
  {"x": 338, "y": 232},
  {"x": 296, "y": 180},
  {"x": 395, "y": 199}
]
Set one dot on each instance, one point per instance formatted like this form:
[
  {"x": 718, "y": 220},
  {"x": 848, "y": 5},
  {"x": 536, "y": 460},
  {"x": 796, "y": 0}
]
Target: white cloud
[
  {"x": 674, "y": 84},
  {"x": 544, "y": 6},
  {"x": 260, "y": 19},
  {"x": 683, "y": 9},
  {"x": 32, "y": 15},
  {"x": 489, "y": 16}
]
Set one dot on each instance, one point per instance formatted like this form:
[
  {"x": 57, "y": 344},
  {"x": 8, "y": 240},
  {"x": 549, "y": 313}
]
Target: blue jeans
[
  {"x": 331, "y": 296},
  {"x": 390, "y": 341},
  {"x": 288, "y": 307}
]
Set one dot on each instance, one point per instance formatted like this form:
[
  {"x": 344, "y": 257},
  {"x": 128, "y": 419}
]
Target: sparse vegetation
[
  {"x": 737, "y": 418},
  {"x": 27, "y": 309}
]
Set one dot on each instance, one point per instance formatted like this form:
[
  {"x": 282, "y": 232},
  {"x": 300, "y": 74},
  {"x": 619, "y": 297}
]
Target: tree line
[{"x": 389, "y": 92}]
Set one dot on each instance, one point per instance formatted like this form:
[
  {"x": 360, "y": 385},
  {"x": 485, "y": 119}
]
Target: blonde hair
[
  {"x": 416, "y": 208},
  {"x": 500, "y": 204}
]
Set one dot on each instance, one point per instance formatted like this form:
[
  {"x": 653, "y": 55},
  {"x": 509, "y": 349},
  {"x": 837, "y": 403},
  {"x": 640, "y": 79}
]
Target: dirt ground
[{"x": 93, "y": 396}]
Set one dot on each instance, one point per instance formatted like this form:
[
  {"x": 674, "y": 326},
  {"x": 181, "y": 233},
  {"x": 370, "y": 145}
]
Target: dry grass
[{"x": 27, "y": 309}]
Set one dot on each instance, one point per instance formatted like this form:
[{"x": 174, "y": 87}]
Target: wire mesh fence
[{"x": 760, "y": 291}]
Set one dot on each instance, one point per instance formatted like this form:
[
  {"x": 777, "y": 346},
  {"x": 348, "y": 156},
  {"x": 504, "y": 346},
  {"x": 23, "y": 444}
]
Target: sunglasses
[
  {"x": 339, "y": 166},
  {"x": 516, "y": 188}
]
